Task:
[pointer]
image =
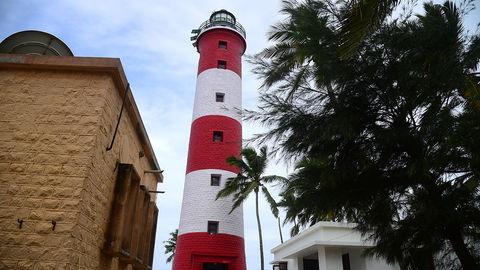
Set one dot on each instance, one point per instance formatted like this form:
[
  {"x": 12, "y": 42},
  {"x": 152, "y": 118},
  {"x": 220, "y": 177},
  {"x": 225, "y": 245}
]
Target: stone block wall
[{"x": 54, "y": 130}]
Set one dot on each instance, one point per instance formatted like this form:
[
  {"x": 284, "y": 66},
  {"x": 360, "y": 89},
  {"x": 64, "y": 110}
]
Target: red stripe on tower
[
  {"x": 210, "y": 55},
  {"x": 209, "y": 237},
  {"x": 213, "y": 139},
  {"x": 195, "y": 249}
]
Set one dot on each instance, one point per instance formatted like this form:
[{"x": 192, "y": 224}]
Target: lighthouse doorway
[{"x": 215, "y": 266}]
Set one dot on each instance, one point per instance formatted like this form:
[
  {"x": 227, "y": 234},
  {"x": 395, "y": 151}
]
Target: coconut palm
[
  {"x": 171, "y": 245},
  {"x": 289, "y": 203},
  {"x": 251, "y": 179}
]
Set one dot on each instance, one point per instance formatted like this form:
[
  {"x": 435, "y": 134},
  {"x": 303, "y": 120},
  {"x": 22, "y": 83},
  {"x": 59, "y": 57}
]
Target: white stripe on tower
[
  {"x": 201, "y": 205},
  {"x": 212, "y": 81}
]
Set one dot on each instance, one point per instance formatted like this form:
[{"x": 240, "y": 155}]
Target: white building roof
[{"x": 326, "y": 234}]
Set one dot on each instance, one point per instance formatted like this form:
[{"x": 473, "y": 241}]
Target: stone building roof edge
[{"x": 111, "y": 66}]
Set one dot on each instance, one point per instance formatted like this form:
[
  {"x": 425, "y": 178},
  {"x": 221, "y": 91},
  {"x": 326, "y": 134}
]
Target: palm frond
[
  {"x": 273, "y": 179},
  {"x": 240, "y": 197},
  {"x": 363, "y": 17},
  {"x": 295, "y": 230},
  {"x": 271, "y": 201},
  {"x": 255, "y": 162},
  {"x": 239, "y": 163},
  {"x": 472, "y": 55},
  {"x": 232, "y": 186},
  {"x": 171, "y": 245}
]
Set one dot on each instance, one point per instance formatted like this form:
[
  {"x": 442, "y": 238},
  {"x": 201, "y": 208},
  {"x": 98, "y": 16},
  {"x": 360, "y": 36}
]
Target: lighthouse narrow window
[
  {"x": 215, "y": 180},
  {"x": 219, "y": 97},
  {"x": 222, "y": 64},
  {"x": 222, "y": 44},
  {"x": 218, "y": 136},
  {"x": 212, "y": 227}
]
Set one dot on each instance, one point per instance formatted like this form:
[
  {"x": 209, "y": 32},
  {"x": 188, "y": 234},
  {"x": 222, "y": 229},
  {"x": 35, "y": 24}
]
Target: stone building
[{"x": 75, "y": 192}]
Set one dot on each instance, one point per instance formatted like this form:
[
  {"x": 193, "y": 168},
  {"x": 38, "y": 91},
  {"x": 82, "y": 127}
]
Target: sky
[{"x": 152, "y": 39}]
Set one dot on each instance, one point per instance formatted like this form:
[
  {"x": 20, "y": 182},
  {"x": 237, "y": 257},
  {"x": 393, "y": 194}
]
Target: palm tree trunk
[
  {"x": 280, "y": 230},
  {"x": 259, "y": 231}
]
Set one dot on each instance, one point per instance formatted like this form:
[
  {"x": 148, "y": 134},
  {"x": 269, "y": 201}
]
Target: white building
[{"x": 327, "y": 246}]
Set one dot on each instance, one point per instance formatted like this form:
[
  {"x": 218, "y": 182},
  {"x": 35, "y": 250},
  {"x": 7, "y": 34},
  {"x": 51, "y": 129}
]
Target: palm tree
[
  {"x": 250, "y": 179},
  {"x": 290, "y": 204},
  {"x": 171, "y": 245},
  {"x": 361, "y": 18}
]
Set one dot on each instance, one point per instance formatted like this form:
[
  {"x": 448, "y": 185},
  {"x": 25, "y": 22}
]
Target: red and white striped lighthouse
[{"x": 209, "y": 238}]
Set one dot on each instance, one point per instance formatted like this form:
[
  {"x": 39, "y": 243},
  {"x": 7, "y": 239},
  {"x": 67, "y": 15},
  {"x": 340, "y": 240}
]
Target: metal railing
[{"x": 234, "y": 25}]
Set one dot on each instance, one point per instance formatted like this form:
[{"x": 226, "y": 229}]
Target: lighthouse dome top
[{"x": 219, "y": 19}]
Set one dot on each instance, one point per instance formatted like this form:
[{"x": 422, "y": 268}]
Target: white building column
[
  {"x": 300, "y": 263},
  {"x": 292, "y": 264},
  {"x": 322, "y": 259}
]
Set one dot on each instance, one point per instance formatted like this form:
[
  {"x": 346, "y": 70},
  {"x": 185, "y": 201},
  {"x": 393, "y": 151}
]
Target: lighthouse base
[{"x": 204, "y": 251}]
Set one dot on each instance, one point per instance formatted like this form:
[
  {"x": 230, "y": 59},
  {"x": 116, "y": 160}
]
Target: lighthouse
[{"x": 209, "y": 238}]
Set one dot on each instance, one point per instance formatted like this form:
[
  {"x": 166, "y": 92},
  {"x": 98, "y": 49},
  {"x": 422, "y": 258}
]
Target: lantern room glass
[{"x": 222, "y": 16}]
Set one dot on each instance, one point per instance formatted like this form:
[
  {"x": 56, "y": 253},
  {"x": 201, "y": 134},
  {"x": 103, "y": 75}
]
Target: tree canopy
[{"x": 387, "y": 138}]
